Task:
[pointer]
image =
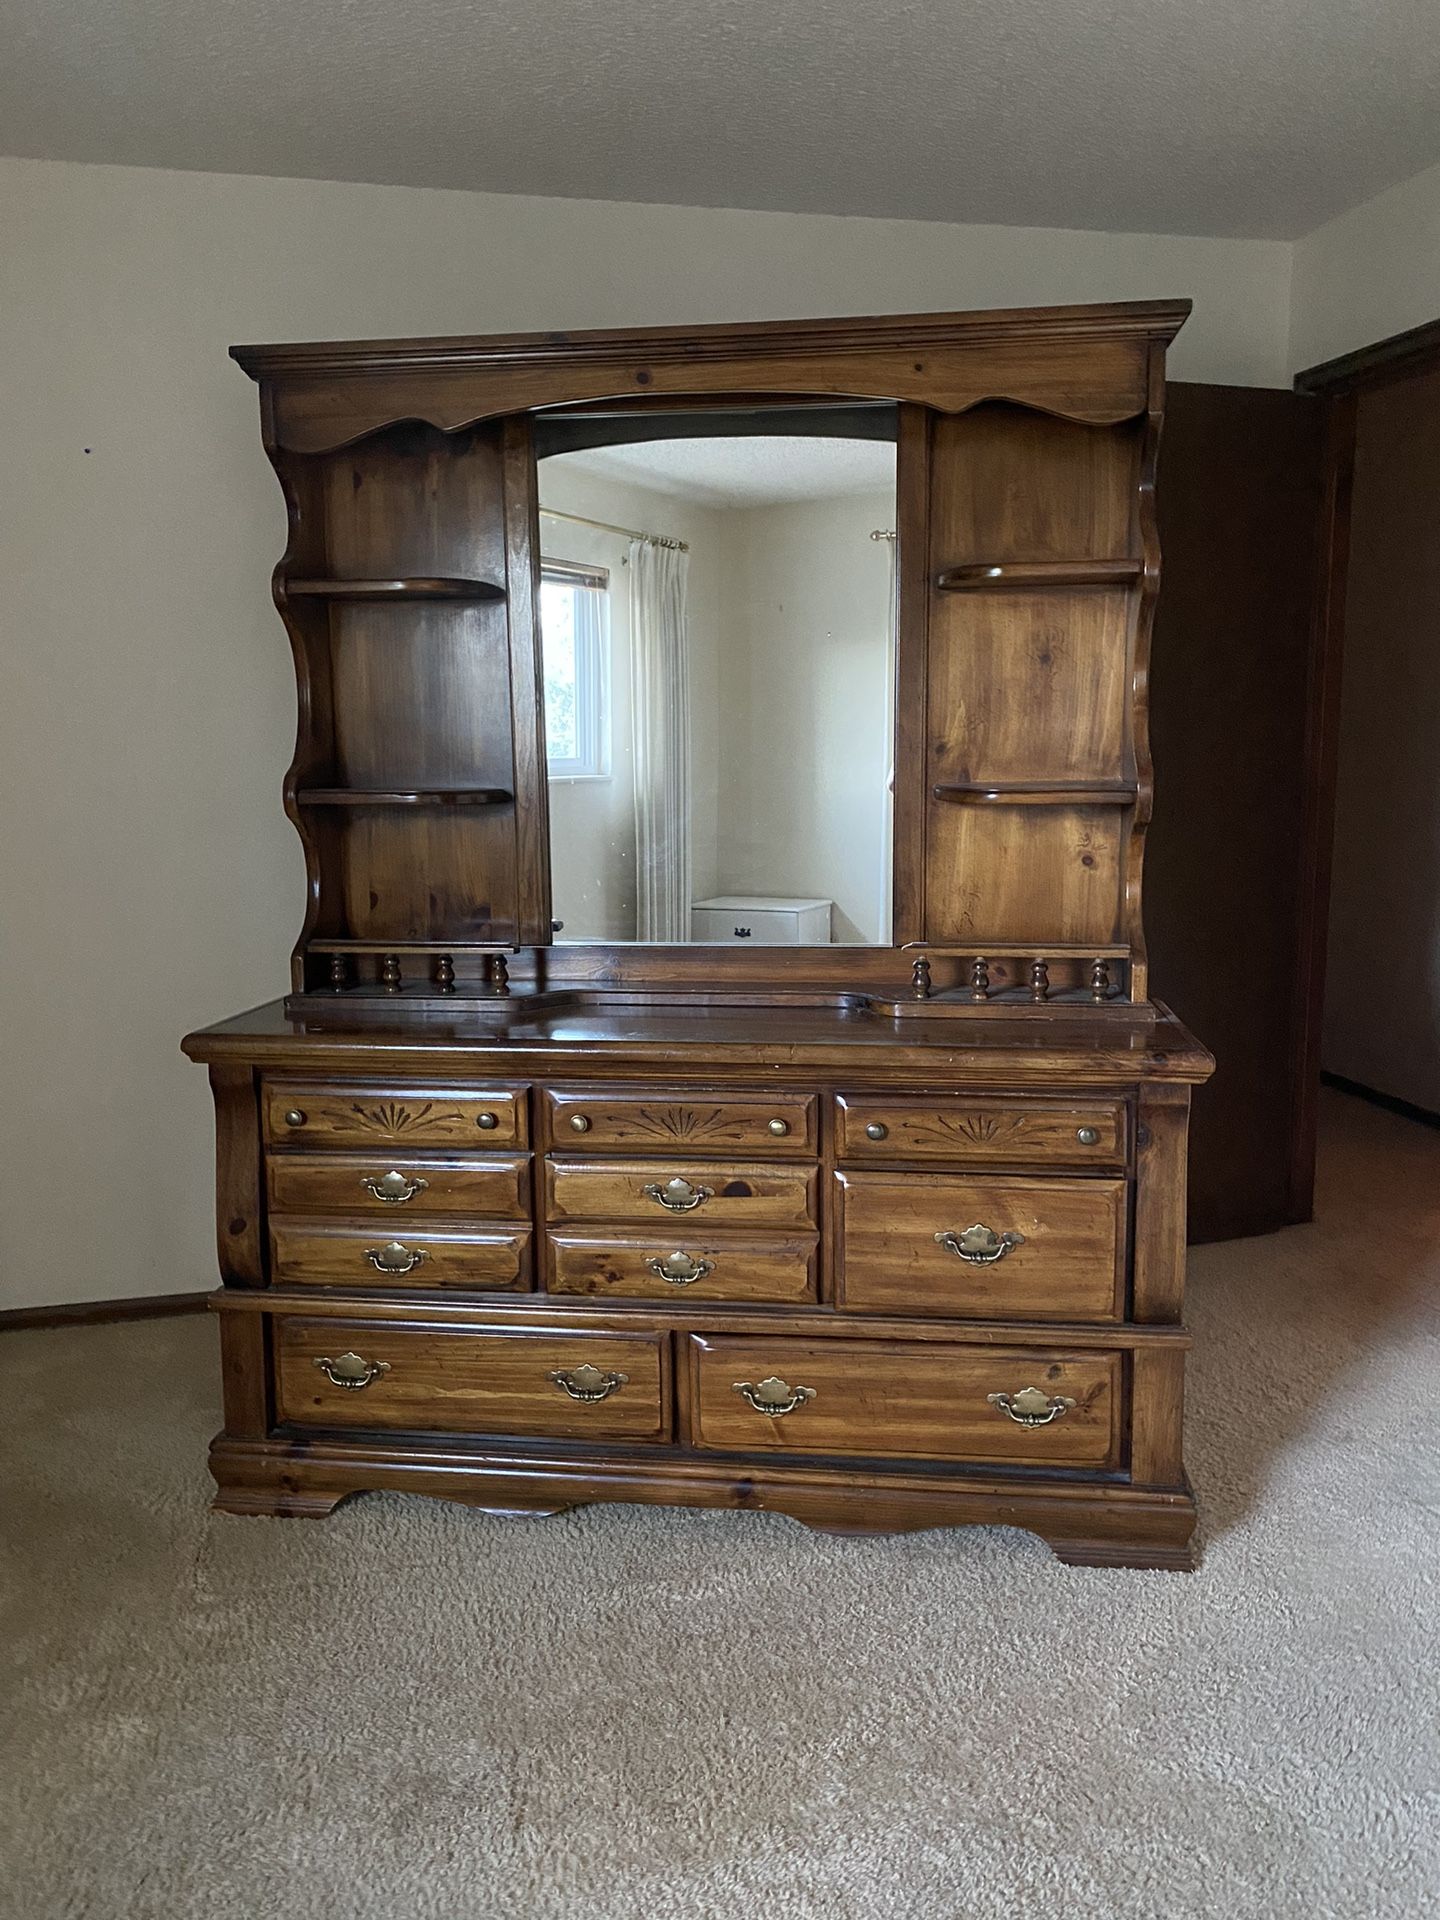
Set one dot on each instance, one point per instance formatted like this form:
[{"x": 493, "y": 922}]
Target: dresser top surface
[{"x": 508, "y": 1038}]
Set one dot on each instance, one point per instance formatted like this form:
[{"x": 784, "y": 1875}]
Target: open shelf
[
  {"x": 978, "y": 576},
  {"x": 411, "y": 797},
  {"x": 425, "y": 948},
  {"x": 1001, "y": 793},
  {"x": 425, "y": 588}
]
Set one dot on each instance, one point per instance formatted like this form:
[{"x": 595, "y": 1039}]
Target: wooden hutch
[{"x": 876, "y": 1237}]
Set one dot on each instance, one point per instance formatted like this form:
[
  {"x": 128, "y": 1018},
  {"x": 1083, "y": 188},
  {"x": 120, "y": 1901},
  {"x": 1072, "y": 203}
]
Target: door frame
[{"x": 1339, "y": 383}]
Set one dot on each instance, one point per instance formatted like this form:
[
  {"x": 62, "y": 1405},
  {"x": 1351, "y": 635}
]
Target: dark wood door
[{"x": 1232, "y": 683}]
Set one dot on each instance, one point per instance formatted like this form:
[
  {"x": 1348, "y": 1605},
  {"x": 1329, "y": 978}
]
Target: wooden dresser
[{"x": 879, "y": 1237}]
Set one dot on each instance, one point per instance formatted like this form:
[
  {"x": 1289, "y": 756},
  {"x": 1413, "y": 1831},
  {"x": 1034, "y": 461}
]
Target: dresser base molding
[{"x": 1083, "y": 1524}]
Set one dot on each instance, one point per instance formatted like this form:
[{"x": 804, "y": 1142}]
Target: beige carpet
[{"x": 412, "y": 1710}]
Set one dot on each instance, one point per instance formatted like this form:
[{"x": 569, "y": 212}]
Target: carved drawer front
[
  {"x": 685, "y": 1266},
  {"x": 977, "y": 1246},
  {"x": 391, "y": 1254},
  {"x": 581, "y": 1386},
  {"x": 403, "y": 1187},
  {"x": 709, "y": 1193},
  {"x": 981, "y": 1132},
  {"x": 1007, "y": 1405},
  {"x": 723, "y": 1123},
  {"x": 338, "y": 1113}
]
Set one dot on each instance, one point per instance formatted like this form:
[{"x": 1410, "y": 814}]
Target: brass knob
[
  {"x": 294, "y": 1118},
  {"x": 877, "y": 1130},
  {"x": 580, "y": 1122},
  {"x": 779, "y": 1128},
  {"x": 1088, "y": 1136},
  {"x": 487, "y": 1122}
]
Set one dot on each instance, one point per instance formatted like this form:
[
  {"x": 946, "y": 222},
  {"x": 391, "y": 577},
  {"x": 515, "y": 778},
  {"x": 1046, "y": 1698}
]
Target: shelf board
[
  {"x": 979, "y": 576},
  {"x": 1001, "y": 793},
  {"x": 424, "y": 948},
  {"x": 403, "y": 797},
  {"x": 424, "y": 588}
]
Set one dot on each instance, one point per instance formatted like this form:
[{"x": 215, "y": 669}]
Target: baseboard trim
[
  {"x": 80, "y": 1313},
  {"x": 1391, "y": 1102}
]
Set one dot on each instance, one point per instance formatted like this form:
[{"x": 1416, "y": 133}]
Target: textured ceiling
[
  {"x": 1259, "y": 117},
  {"x": 760, "y": 471}
]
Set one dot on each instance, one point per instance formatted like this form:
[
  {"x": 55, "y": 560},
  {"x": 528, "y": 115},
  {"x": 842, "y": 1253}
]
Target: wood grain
[
  {"x": 326, "y": 1254},
  {"x": 744, "y": 1268},
  {"x": 446, "y": 1184},
  {"x": 739, "y": 1194},
  {"x": 393, "y": 1114},
  {"x": 980, "y": 1132},
  {"x": 670, "y": 1119}
]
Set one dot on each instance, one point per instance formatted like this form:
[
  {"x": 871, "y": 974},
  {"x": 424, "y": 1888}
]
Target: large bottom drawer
[
  {"x": 1015, "y": 1406},
  {"x": 428, "y": 1379}
]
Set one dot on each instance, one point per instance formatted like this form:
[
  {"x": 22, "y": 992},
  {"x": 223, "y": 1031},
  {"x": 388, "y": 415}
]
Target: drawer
[
  {"x": 685, "y": 1267},
  {"x": 981, "y": 1132},
  {"x": 587, "y": 1122},
  {"x": 343, "y": 1113},
  {"x": 905, "y": 1401},
  {"x": 722, "y": 1193},
  {"x": 417, "y": 1186},
  {"x": 313, "y": 1253},
  {"x": 977, "y": 1246},
  {"x": 472, "y": 1380}
]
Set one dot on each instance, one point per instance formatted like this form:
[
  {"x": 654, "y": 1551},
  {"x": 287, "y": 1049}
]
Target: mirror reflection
[{"x": 718, "y": 645}]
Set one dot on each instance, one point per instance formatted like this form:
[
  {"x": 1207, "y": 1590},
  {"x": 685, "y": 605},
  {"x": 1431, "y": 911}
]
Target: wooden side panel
[
  {"x": 1042, "y": 874},
  {"x": 1239, "y": 507},
  {"x": 412, "y": 502},
  {"x": 239, "y": 1180},
  {"x": 1012, "y": 485}
]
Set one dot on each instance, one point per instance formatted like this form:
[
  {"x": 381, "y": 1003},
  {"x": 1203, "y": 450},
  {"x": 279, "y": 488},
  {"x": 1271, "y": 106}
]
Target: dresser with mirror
[{"x": 718, "y": 1065}]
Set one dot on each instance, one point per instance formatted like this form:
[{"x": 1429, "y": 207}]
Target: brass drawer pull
[
  {"x": 350, "y": 1371},
  {"x": 1088, "y": 1136},
  {"x": 487, "y": 1122},
  {"x": 778, "y": 1127},
  {"x": 679, "y": 1269},
  {"x": 678, "y": 1196},
  {"x": 587, "y": 1382},
  {"x": 980, "y": 1246},
  {"x": 877, "y": 1130},
  {"x": 1030, "y": 1407},
  {"x": 294, "y": 1117},
  {"x": 394, "y": 1257},
  {"x": 393, "y": 1189},
  {"x": 773, "y": 1395},
  {"x": 580, "y": 1122}
]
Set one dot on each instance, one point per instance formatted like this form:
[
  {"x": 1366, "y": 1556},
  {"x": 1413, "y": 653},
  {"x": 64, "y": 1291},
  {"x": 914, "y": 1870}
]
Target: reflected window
[{"x": 574, "y": 609}]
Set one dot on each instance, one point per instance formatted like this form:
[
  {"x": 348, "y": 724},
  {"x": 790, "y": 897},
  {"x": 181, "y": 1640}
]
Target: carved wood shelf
[
  {"x": 996, "y": 576},
  {"x": 413, "y": 797},
  {"x": 436, "y": 588},
  {"x": 1001, "y": 793}
]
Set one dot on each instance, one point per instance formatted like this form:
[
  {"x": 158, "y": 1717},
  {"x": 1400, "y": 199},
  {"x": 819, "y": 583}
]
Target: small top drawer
[
  {"x": 345, "y": 1113},
  {"x": 600, "y": 1122},
  {"x": 981, "y": 1131}
]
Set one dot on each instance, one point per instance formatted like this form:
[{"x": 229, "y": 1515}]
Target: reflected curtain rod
[{"x": 626, "y": 533}]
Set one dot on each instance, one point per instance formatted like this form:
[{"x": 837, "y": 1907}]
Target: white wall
[
  {"x": 150, "y": 881},
  {"x": 1372, "y": 272},
  {"x": 805, "y": 743}
]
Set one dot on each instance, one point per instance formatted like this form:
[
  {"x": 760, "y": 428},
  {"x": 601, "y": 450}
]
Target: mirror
[{"x": 717, "y": 631}]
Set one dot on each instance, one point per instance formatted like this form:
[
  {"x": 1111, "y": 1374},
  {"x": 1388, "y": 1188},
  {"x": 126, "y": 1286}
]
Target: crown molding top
[{"x": 1152, "y": 320}]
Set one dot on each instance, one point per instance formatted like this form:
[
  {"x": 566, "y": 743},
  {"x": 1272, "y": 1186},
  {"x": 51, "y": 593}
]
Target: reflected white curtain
[{"x": 660, "y": 700}]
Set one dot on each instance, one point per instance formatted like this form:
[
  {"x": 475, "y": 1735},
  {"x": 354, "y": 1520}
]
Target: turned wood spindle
[
  {"x": 1039, "y": 979},
  {"x": 445, "y": 974},
  {"x": 498, "y": 969},
  {"x": 339, "y": 973},
  {"x": 1100, "y": 980},
  {"x": 979, "y": 980},
  {"x": 390, "y": 973},
  {"x": 920, "y": 980}
]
